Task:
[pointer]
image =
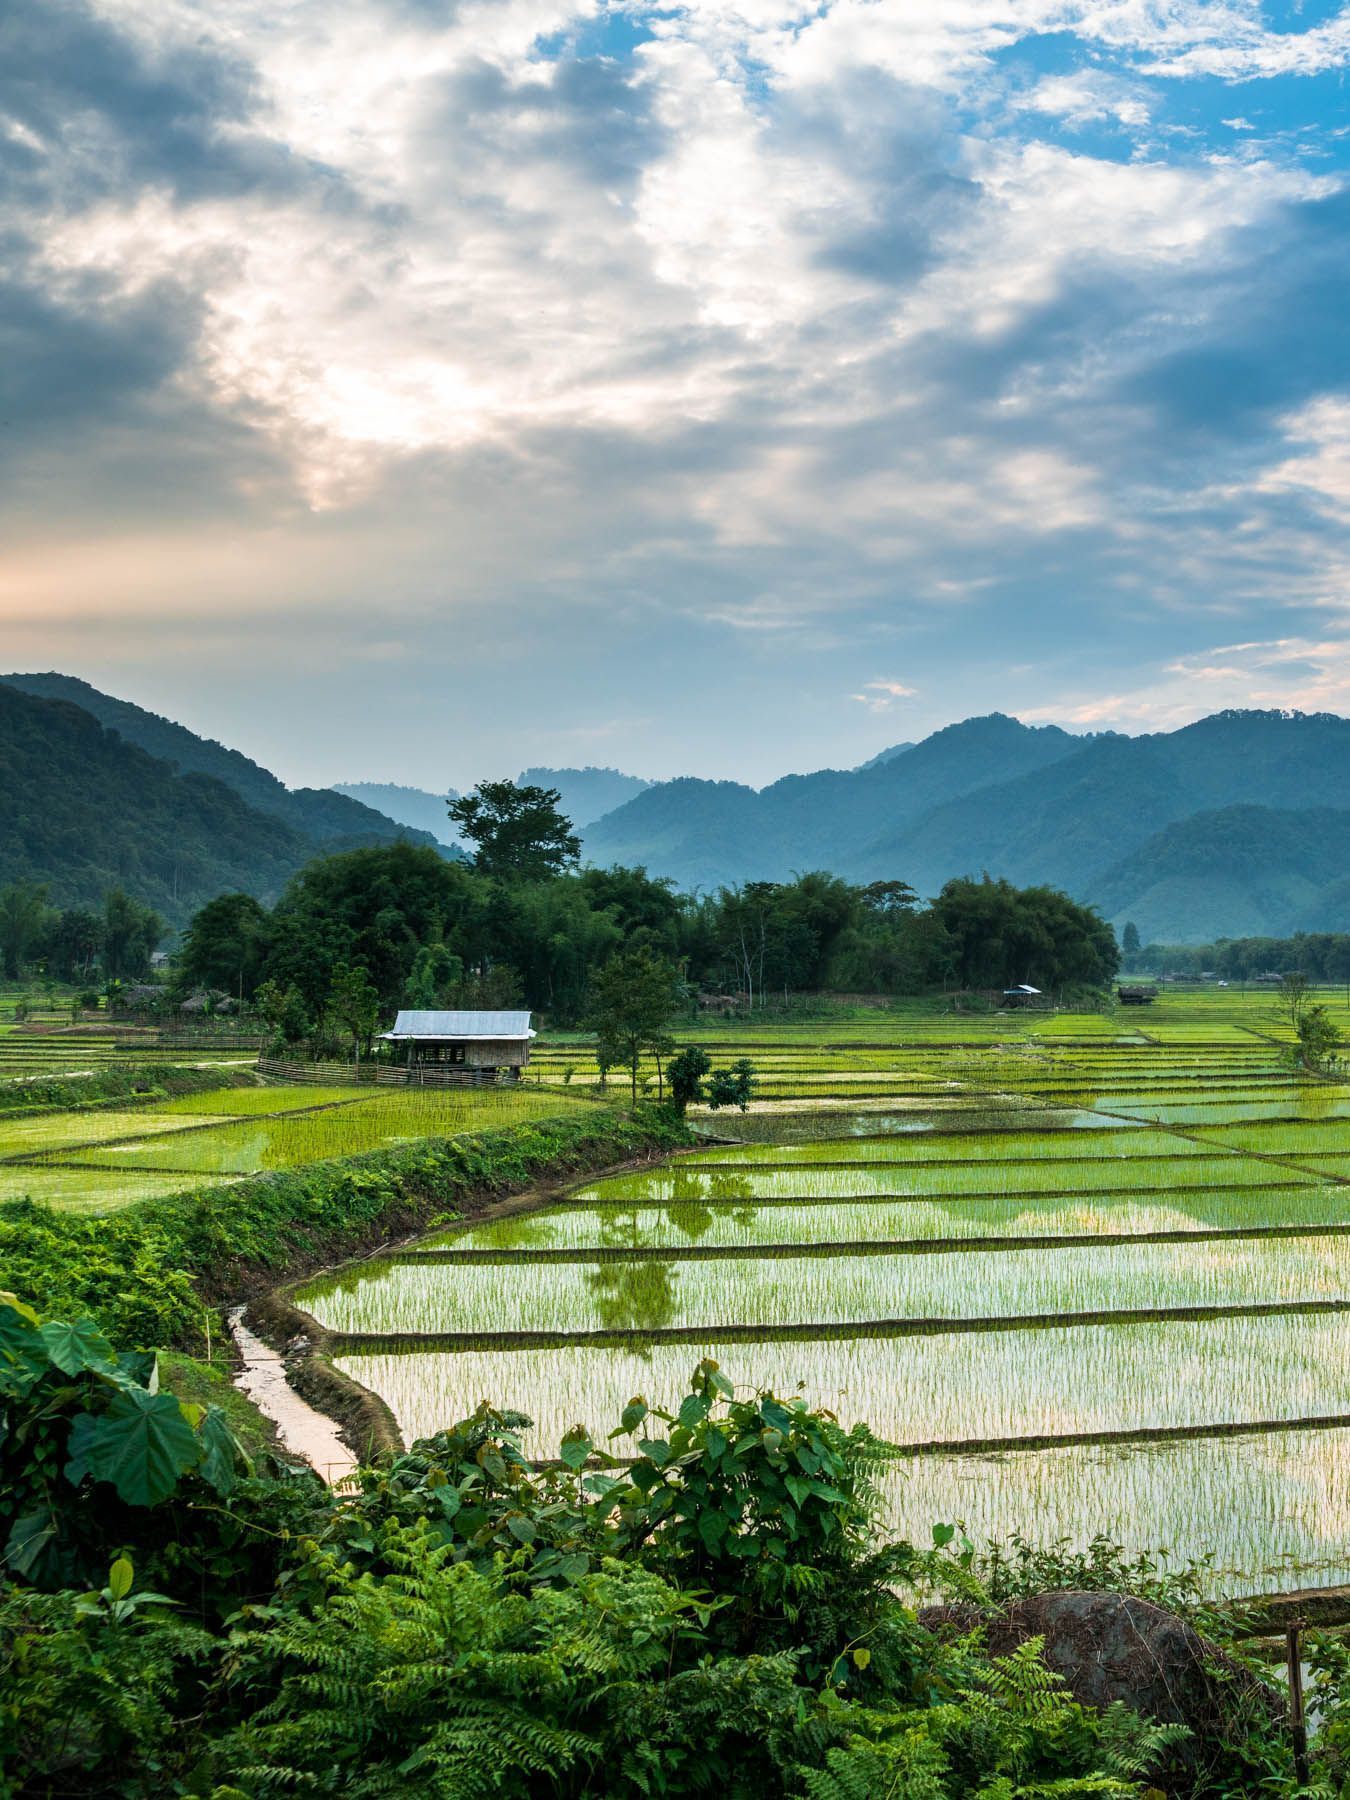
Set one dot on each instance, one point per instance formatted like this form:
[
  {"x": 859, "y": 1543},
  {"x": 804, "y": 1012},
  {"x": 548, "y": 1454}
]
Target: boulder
[{"x": 1111, "y": 1647}]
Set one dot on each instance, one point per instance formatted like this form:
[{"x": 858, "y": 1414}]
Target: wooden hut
[
  {"x": 1139, "y": 994},
  {"x": 463, "y": 1046}
]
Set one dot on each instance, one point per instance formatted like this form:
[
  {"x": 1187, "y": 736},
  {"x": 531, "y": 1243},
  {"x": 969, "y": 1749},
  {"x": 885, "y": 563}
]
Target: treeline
[
  {"x": 397, "y": 925},
  {"x": 76, "y": 943},
  {"x": 1319, "y": 956},
  {"x": 427, "y": 933}
]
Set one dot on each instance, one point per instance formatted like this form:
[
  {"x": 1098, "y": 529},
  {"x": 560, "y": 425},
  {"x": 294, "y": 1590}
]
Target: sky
[{"x": 416, "y": 390}]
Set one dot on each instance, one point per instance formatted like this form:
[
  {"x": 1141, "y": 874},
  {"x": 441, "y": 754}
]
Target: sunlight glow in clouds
[{"x": 608, "y": 351}]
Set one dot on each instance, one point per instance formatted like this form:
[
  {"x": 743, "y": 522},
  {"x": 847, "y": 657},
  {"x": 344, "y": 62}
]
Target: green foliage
[
  {"x": 354, "y": 1003},
  {"x": 633, "y": 999},
  {"x": 713, "y": 1618},
  {"x": 91, "y": 1691},
  {"x": 519, "y": 832},
  {"x": 143, "y": 1082},
  {"x": 686, "y": 1073},
  {"x": 78, "y": 1416},
  {"x": 225, "y": 947},
  {"x": 999, "y": 935},
  {"x": 23, "y": 913},
  {"x": 732, "y": 1087}
]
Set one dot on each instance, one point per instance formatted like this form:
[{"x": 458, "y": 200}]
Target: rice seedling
[
  {"x": 967, "y": 1285},
  {"x": 290, "y": 1140},
  {"x": 64, "y": 1131},
  {"x": 82, "y": 1190},
  {"x": 728, "y": 1223},
  {"x": 989, "y": 1388}
]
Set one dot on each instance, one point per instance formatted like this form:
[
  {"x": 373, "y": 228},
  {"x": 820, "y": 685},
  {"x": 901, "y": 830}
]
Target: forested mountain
[
  {"x": 1259, "y": 871},
  {"x": 702, "y": 833},
  {"x": 85, "y": 811},
  {"x": 1090, "y": 815},
  {"x": 319, "y": 813}
]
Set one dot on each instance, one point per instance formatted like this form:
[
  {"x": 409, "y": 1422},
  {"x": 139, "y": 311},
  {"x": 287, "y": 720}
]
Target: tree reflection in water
[{"x": 634, "y": 1296}]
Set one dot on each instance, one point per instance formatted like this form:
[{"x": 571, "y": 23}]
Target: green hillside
[
  {"x": 1242, "y": 871},
  {"x": 82, "y": 809},
  {"x": 320, "y": 813}
]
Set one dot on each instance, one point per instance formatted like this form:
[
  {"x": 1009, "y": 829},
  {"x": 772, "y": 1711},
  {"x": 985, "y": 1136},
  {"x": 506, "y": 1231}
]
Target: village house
[{"x": 465, "y": 1046}]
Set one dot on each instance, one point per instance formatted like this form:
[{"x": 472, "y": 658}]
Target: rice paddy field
[
  {"x": 49, "y": 1043},
  {"x": 97, "y": 1159},
  {"x": 1088, "y": 1272}
]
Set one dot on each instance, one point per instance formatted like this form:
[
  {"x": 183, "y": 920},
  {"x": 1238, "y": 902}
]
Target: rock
[{"x": 1112, "y": 1647}]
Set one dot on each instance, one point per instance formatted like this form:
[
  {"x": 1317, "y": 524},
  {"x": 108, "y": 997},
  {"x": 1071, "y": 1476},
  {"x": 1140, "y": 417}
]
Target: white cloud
[{"x": 881, "y": 696}]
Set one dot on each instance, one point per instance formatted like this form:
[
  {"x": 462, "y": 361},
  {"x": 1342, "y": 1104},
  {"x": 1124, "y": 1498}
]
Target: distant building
[
  {"x": 1138, "y": 995},
  {"x": 1021, "y": 995},
  {"x": 439, "y": 1045}
]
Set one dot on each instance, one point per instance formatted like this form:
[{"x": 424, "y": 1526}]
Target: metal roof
[{"x": 498, "y": 1025}]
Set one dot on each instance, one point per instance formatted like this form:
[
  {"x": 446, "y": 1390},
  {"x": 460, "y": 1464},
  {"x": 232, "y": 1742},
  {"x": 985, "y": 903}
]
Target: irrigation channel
[{"x": 1089, "y": 1279}]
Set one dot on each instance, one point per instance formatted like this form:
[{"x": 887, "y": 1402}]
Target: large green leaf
[
  {"x": 28, "y": 1539},
  {"x": 220, "y": 1452},
  {"x": 141, "y": 1445},
  {"x": 79, "y": 1348}
]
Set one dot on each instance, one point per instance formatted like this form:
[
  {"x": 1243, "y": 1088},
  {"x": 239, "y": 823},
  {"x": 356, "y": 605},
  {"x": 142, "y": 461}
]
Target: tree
[
  {"x": 435, "y": 970},
  {"x": 1318, "y": 1041},
  {"x": 130, "y": 933},
  {"x": 354, "y": 1002},
  {"x": 634, "y": 997},
  {"x": 226, "y": 946},
  {"x": 733, "y": 1086},
  {"x": 23, "y": 913},
  {"x": 519, "y": 831},
  {"x": 283, "y": 1009},
  {"x": 71, "y": 942},
  {"x": 1294, "y": 1000},
  {"x": 687, "y": 1071},
  {"x": 1129, "y": 942}
]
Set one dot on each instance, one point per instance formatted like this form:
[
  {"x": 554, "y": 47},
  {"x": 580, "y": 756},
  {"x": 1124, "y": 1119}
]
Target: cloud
[
  {"x": 881, "y": 696},
  {"x": 789, "y": 333}
]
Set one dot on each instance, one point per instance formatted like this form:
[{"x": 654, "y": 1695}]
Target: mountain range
[
  {"x": 1236, "y": 825},
  {"x": 1219, "y": 828}
]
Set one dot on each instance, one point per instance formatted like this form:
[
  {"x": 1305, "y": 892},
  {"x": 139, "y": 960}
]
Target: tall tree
[
  {"x": 226, "y": 946},
  {"x": 1129, "y": 942},
  {"x": 130, "y": 934},
  {"x": 519, "y": 831},
  {"x": 354, "y": 1002},
  {"x": 23, "y": 913},
  {"x": 635, "y": 996}
]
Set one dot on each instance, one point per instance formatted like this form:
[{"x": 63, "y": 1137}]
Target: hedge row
[
  {"x": 60, "y": 1092},
  {"x": 151, "y": 1274}
]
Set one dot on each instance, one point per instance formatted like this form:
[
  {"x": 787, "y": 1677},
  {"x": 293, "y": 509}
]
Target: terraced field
[
  {"x": 98, "y": 1159},
  {"x": 49, "y": 1043},
  {"x": 1088, "y": 1272}
]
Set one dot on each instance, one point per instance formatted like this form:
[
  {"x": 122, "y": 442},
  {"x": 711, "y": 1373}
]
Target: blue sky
[{"x": 419, "y": 389}]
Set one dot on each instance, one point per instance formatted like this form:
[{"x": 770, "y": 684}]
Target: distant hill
[
  {"x": 587, "y": 794},
  {"x": 884, "y": 756},
  {"x": 1241, "y": 871},
  {"x": 320, "y": 813},
  {"x": 411, "y": 806},
  {"x": 707, "y": 833},
  {"x": 84, "y": 810}
]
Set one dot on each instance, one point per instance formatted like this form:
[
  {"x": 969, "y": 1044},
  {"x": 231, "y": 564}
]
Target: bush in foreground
[{"x": 711, "y": 1614}]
